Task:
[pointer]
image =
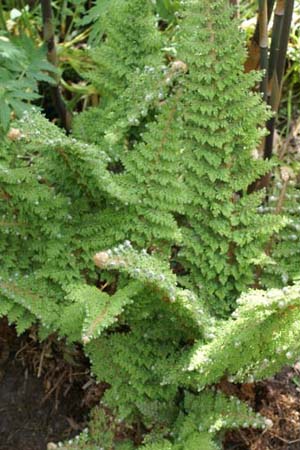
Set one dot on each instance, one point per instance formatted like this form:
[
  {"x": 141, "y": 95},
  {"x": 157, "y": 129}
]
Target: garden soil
[{"x": 46, "y": 393}]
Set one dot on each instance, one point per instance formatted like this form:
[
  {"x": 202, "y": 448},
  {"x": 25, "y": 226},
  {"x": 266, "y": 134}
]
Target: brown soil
[
  {"x": 277, "y": 399},
  {"x": 46, "y": 391}
]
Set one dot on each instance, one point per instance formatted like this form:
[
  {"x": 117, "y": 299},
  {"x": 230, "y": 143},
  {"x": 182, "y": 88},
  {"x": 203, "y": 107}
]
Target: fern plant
[
  {"x": 163, "y": 354},
  {"x": 196, "y": 154},
  {"x": 120, "y": 59},
  {"x": 114, "y": 260},
  {"x": 223, "y": 234}
]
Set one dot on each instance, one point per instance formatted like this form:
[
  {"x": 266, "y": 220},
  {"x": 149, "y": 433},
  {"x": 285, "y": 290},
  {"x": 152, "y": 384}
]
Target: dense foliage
[{"x": 139, "y": 237}]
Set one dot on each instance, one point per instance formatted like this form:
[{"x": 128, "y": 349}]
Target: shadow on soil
[{"x": 46, "y": 391}]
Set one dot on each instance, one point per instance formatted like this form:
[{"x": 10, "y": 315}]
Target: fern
[
  {"x": 194, "y": 163},
  {"x": 208, "y": 414},
  {"x": 224, "y": 233},
  {"x": 171, "y": 212},
  {"x": 168, "y": 10},
  {"x": 99, "y": 310},
  {"x": 119, "y": 61},
  {"x": 264, "y": 325},
  {"x": 155, "y": 273}
]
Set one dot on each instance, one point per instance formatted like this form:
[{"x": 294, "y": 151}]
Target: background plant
[{"x": 23, "y": 66}]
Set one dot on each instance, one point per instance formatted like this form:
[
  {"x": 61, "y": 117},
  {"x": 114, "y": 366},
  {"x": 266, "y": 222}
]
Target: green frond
[{"x": 260, "y": 338}]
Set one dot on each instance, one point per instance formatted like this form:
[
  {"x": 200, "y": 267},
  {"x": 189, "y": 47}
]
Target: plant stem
[
  {"x": 263, "y": 45},
  {"x": 253, "y": 59},
  {"x": 286, "y": 26},
  {"x": 276, "y": 33},
  {"x": 278, "y": 68},
  {"x": 48, "y": 35}
]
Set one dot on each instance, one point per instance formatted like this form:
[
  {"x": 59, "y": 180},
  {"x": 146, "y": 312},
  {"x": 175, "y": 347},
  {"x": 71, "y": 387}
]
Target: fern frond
[{"x": 260, "y": 338}]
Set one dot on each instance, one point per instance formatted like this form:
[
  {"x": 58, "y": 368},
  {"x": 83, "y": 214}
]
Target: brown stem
[
  {"x": 252, "y": 62},
  {"x": 286, "y": 26},
  {"x": 276, "y": 33},
  {"x": 278, "y": 66},
  {"x": 49, "y": 39},
  {"x": 263, "y": 45}
]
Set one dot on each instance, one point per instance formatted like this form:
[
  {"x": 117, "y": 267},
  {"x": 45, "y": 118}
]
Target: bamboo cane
[
  {"x": 252, "y": 62},
  {"x": 278, "y": 66},
  {"x": 48, "y": 36},
  {"x": 263, "y": 45},
  {"x": 276, "y": 33}
]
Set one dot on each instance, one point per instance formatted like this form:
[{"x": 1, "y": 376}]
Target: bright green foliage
[
  {"x": 222, "y": 125},
  {"x": 153, "y": 272},
  {"x": 22, "y": 301},
  {"x": 94, "y": 16},
  {"x": 22, "y": 66},
  {"x": 168, "y": 10},
  {"x": 124, "y": 49},
  {"x": 156, "y": 165},
  {"x": 208, "y": 414},
  {"x": 262, "y": 336},
  {"x": 48, "y": 208},
  {"x": 98, "y": 309},
  {"x": 194, "y": 162},
  {"x": 134, "y": 357},
  {"x": 139, "y": 361},
  {"x": 124, "y": 62},
  {"x": 184, "y": 181},
  {"x": 154, "y": 159},
  {"x": 64, "y": 161},
  {"x": 204, "y": 416}
]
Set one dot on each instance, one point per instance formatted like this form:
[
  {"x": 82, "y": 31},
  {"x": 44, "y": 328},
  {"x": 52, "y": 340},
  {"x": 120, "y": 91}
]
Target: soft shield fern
[
  {"x": 255, "y": 343},
  {"x": 194, "y": 163},
  {"x": 139, "y": 359},
  {"x": 173, "y": 232},
  {"x": 123, "y": 61},
  {"x": 222, "y": 126}
]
